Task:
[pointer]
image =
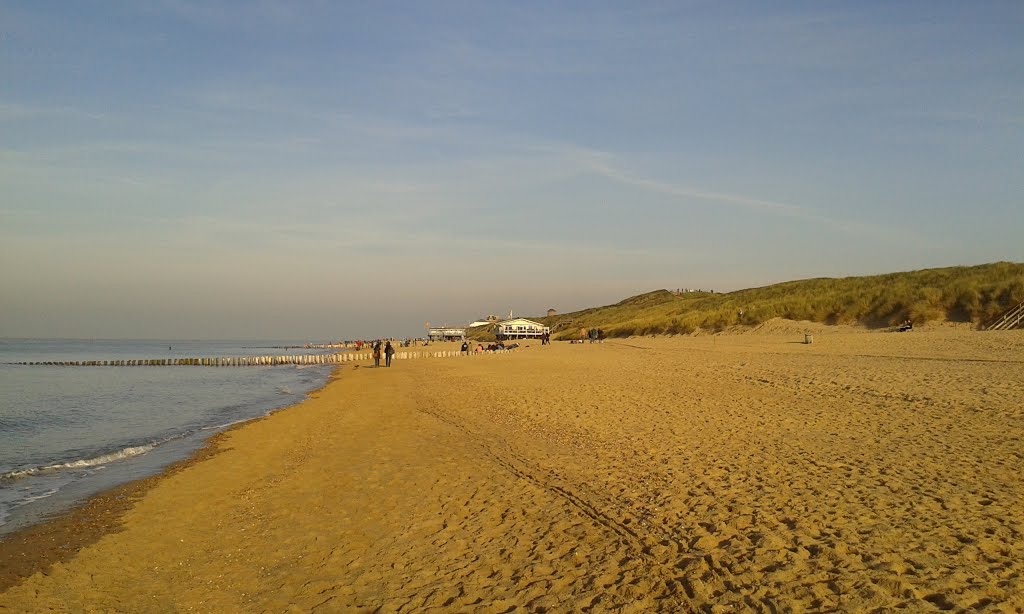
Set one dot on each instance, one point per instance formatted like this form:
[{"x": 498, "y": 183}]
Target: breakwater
[{"x": 253, "y": 361}]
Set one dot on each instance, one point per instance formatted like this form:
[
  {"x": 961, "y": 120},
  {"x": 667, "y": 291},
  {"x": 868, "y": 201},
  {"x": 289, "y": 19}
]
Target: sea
[{"x": 67, "y": 433}]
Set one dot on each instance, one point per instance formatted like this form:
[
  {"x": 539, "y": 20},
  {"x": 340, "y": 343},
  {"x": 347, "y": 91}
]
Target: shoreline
[
  {"x": 60, "y": 537},
  {"x": 862, "y": 472}
]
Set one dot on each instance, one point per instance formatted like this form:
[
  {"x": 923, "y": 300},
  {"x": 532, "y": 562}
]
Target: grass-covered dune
[{"x": 975, "y": 294}]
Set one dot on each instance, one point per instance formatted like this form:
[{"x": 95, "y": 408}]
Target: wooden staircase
[{"x": 1013, "y": 318}]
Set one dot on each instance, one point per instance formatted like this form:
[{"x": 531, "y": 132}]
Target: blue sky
[{"x": 324, "y": 169}]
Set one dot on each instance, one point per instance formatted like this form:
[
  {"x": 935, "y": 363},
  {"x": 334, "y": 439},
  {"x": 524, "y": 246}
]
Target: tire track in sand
[{"x": 672, "y": 569}]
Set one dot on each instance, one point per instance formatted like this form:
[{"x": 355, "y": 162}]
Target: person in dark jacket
[
  {"x": 376, "y": 354},
  {"x": 389, "y": 351}
]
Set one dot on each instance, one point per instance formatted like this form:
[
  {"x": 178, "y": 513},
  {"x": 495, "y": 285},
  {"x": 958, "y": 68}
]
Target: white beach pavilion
[
  {"x": 520, "y": 328},
  {"x": 447, "y": 333}
]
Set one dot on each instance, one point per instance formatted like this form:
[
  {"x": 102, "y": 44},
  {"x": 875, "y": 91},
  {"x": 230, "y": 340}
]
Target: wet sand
[{"x": 863, "y": 472}]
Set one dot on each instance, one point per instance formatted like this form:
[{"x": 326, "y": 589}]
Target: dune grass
[{"x": 976, "y": 294}]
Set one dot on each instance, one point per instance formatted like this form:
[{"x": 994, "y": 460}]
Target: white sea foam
[
  {"x": 36, "y": 497},
  {"x": 82, "y": 463}
]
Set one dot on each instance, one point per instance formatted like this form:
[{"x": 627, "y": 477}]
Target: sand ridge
[{"x": 864, "y": 472}]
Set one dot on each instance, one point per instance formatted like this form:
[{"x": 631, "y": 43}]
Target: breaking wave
[{"x": 82, "y": 463}]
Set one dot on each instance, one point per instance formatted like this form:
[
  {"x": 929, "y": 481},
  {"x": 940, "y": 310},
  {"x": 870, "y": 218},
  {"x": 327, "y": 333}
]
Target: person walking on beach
[
  {"x": 376, "y": 354},
  {"x": 465, "y": 347},
  {"x": 388, "y": 353}
]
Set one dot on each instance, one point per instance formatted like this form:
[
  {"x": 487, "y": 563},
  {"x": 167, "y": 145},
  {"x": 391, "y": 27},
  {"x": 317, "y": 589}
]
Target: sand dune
[{"x": 864, "y": 472}]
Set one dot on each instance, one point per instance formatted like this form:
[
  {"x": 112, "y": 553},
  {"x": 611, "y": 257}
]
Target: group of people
[
  {"x": 491, "y": 347},
  {"x": 360, "y": 344},
  {"x": 384, "y": 349},
  {"x": 593, "y": 335},
  {"x": 387, "y": 351}
]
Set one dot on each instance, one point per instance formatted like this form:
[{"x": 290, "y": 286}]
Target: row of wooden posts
[{"x": 250, "y": 361}]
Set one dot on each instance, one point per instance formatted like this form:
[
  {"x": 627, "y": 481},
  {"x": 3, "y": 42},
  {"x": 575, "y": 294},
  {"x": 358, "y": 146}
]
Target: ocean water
[{"x": 67, "y": 433}]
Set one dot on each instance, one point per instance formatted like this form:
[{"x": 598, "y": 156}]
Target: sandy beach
[{"x": 750, "y": 472}]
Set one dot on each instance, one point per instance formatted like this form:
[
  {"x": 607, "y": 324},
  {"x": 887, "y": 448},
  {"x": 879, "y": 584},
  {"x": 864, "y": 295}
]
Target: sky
[{"x": 326, "y": 170}]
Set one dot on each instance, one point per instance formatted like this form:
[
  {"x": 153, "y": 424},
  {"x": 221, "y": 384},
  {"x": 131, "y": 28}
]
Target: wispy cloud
[
  {"x": 10, "y": 111},
  {"x": 250, "y": 15},
  {"x": 602, "y": 164},
  {"x": 970, "y": 117},
  {"x": 686, "y": 192}
]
